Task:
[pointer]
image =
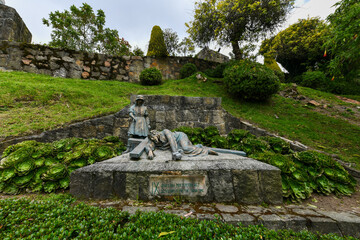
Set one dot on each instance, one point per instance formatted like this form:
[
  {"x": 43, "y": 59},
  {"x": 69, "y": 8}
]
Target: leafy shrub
[
  {"x": 281, "y": 75},
  {"x": 45, "y": 167},
  {"x": 217, "y": 72},
  {"x": 251, "y": 80},
  {"x": 341, "y": 86},
  {"x": 313, "y": 79},
  {"x": 187, "y": 70},
  {"x": 150, "y": 76},
  {"x": 157, "y": 47}
]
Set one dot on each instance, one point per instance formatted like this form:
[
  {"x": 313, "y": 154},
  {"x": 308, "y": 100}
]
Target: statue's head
[
  {"x": 139, "y": 99},
  {"x": 156, "y": 136}
]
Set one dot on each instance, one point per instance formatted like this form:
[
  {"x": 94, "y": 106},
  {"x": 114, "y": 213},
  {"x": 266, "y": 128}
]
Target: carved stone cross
[{"x": 138, "y": 146}]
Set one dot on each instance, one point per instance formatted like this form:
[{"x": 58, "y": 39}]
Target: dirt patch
[
  {"x": 334, "y": 203},
  {"x": 349, "y": 112}
]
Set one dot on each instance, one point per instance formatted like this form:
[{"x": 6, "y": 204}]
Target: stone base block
[{"x": 222, "y": 178}]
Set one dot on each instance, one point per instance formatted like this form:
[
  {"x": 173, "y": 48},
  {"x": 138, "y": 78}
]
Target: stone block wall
[
  {"x": 165, "y": 112},
  {"x": 74, "y": 64},
  {"x": 12, "y": 27}
]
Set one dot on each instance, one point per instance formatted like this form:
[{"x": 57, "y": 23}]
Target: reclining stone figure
[{"x": 177, "y": 142}]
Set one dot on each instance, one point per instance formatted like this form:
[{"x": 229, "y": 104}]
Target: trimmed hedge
[
  {"x": 251, "y": 80},
  {"x": 150, "y": 76},
  {"x": 187, "y": 70}
]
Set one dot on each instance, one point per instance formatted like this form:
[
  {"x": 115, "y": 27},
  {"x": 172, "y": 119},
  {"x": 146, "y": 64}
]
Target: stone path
[{"x": 296, "y": 217}]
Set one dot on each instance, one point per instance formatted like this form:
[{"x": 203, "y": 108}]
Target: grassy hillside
[{"x": 32, "y": 103}]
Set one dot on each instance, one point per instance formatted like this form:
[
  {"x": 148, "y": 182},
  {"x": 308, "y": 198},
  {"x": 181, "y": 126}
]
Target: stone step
[{"x": 293, "y": 217}]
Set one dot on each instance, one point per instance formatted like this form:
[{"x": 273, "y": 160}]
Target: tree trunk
[{"x": 236, "y": 50}]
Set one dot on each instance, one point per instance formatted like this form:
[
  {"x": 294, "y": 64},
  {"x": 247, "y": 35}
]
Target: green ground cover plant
[
  {"x": 302, "y": 173},
  {"x": 33, "y": 103},
  {"x": 32, "y": 166},
  {"x": 61, "y": 217}
]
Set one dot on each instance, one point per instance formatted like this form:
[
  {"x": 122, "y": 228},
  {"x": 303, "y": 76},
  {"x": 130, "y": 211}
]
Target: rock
[
  {"x": 107, "y": 64},
  {"x": 68, "y": 59},
  {"x": 227, "y": 208},
  {"x": 12, "y": 27},
  {"x": 133, "y": 210},
  {"x": 201, "y": 77},
  {"x": 26, "y": 61},
  {"x": 314, "y": 103},
  {"x": 87, "y": 69},
  {"x": 245, "y": 219},
  {"x": 85, "y": 75},
  {"x": 60, "y": 73}
]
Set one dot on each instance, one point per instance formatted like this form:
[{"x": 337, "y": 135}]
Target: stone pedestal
[
  {"x": 12, "y": 27},
  {"x": 223, "y": 178}
]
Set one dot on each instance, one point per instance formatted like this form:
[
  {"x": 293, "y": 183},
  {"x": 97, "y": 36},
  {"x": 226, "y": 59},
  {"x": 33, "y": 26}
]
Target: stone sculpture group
[{"x": 177, "y": 142}]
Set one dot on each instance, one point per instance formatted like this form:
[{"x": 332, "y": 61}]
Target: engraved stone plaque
[{"x": 175, "y": 185}]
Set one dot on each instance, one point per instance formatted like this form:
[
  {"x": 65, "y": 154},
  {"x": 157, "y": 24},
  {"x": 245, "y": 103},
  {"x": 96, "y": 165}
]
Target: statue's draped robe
[
  {"x": 181, "y": 142},
  {"x": 140, "y": 126}
]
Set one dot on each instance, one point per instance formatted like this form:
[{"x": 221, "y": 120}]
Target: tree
[
  {"x": 299, "y": 47},
  {"x": 157, "y": 47},
  {"x": 186, "y": 47},
  {"x": 171, "y": 41},
  {"x": 236, "y": 21},
  {"x": 137, "y": 52},
  {"x": 82, "y": 29},
  {"x": 343, "y": 43}
]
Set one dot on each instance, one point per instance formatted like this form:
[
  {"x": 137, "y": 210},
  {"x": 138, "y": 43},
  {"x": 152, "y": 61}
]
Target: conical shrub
[{"x": 157, "y": 47}]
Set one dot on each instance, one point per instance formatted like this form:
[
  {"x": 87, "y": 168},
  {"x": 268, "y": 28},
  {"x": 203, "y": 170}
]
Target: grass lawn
[{"x": 32, "y": 103}]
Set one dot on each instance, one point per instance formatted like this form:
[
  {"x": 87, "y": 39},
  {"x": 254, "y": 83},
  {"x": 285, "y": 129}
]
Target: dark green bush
[
  {"x": 251, "y": 80},
  {"x": 150, "y": 76},
  {"x": 217, "y": 72},
  {"x": 280, "y": 75},
  {"x": 313, "y": 79},
  {"x": 341, "y": 86},
  {"x": 187, "y": 70}
]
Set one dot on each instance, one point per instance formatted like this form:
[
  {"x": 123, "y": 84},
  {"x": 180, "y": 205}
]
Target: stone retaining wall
[
  {"x": 74, "y": 64},
  {"x": 165, "y": 112}
]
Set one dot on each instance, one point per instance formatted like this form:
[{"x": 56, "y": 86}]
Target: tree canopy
[
  {"x": 157, "y": 47},
  {"x": 343, "y": 43},
  {"x": 236, "y": 21},
  {"x": 171, "y": 39},
  {"x": 82, "y": 29},
  {"x": 299, "y": 47}
]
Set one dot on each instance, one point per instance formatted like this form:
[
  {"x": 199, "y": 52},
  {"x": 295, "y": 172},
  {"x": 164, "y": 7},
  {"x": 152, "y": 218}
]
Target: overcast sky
[{"x": 134, "y": 19}]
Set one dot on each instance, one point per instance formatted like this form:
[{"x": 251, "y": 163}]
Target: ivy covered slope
[
  {"x": 32, "y": 103},
  {"x": 302, "y": 173},
  {"x": 60, "y": 217},
  {"x": 32, "y": 166}
]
